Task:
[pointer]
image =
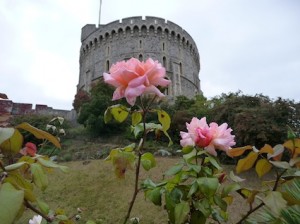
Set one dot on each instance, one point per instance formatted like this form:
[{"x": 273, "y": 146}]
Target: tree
[
  {"x": 92, "y": 112},
  {"x": 81, "y": 97},
  {"x": 256, "y": 119}
]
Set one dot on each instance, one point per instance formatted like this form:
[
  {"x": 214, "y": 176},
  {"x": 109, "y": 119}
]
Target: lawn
[{"x": 94, "y": 188}]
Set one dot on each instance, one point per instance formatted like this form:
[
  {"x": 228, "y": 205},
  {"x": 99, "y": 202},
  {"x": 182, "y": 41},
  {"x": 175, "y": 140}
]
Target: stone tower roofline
[{"x": 91, "y": 35}]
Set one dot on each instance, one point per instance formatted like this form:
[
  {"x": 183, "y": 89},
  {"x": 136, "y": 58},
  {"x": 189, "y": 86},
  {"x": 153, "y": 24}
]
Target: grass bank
[{"x": 93, "y": 187}]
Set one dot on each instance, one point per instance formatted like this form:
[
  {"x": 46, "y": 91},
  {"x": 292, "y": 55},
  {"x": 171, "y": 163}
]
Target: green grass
[{"x": 95, "y": 189}]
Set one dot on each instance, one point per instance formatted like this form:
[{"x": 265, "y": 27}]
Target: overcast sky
[{"x": 247, "y": 45}]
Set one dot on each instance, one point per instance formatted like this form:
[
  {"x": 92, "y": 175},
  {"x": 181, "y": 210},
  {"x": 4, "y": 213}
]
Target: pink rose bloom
[
  {"x": 134, "y": 78},
  {"x": 29, "y": 149},
  {"x": 210, "y": 137}
]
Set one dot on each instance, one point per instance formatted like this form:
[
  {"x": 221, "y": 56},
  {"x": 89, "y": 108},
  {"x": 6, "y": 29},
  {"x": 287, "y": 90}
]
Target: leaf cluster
[{"x": 20, "y": 175}]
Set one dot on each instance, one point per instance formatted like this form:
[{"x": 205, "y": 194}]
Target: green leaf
[
  {"x": 181, "y": 212},
  {"x": 119, "y": 112},
  {"x": 230, "y": 188},
  {"x": 13, "y": 144},
  {"x": 275, "y": 202},
  {"x": 193, "y": 189},
  {"x": 44, "y": 207},
  {"x": 51, "y": 164},
  {"x": 279, "y": 164},
  {"x": 220, "y": 202},
  {"x": 187, "y": 149},
  {"x": 6, "y": 133},
  {"x": 148, "y": 161},
  {"x": 190, "y": 156},
  {"x": 107, "y": 115},
  {"x": 149, "y": 127},
  {"x": 213, "y": 161},
  {"x": 197, "y": 217},
  {"x": 208, "y": 185},
  {"x": 148, "y": 183},
  {"x": 20, "y": 183},
  {"x": 39, "y": 134},
  {"x": 136, "y": 117},
  {"x": 164, "y": 119},
  {"x": 15, "y": 166},
  {"x": 204, "y": 207},
  {"x": 154, "y": 195},
  {"x": 174, "y": 170},
  {"x": 195, "y": 167},
  {"x": 39, "y": 177},
  {"x": 129, "y": 148},
  {"x": 11, "y": 201}
]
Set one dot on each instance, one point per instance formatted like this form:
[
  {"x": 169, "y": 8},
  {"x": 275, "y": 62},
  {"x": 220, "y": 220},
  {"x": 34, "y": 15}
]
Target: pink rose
[
  {"x": 134, "y": 78},
  {"x": 210, "y": 137},
  {"x": 29, "y": 149}
]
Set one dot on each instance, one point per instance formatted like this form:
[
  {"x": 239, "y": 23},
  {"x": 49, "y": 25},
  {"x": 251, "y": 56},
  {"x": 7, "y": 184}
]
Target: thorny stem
[
  {"x": 137, "y": 171},
  {"x": 28, "y": 205},
  {"x": 279, "y": 175}
]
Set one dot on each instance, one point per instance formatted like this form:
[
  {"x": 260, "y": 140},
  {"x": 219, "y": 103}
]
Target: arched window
[
  {"x": 107, "y": 50},
  {"x": 141, "y": 44},
  {"x": 141, "y": 57},
  {"x": 163, "y": 46}
]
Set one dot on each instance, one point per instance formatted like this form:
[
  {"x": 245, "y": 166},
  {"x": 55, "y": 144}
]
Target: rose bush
[{"x": 195, "y": 190}]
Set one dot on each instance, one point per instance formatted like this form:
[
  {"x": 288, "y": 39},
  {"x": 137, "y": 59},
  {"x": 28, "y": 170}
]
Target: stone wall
[
  {"x": 9, "y": 109},
  {"x": 153, "y": 37}
]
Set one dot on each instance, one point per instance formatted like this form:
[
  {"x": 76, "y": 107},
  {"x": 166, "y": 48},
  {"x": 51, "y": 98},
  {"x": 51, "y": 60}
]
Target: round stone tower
[{"x": 141, "y": 38}]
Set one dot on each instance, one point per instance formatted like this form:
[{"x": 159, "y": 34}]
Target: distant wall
[{"x": 8, "y": 109}]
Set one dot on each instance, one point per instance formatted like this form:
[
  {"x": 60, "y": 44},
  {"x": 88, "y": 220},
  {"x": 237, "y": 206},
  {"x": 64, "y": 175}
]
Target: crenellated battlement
[{"x": 92, "y": 36}]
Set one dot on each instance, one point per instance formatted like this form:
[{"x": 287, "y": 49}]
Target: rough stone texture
[
  {"x": 141, "y": 38},
  {"x": 6, "y": 107},
  {"x": 21, "y": 108}
]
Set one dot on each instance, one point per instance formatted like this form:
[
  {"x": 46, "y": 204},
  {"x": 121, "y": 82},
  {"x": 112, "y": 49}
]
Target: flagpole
[{"x": 99, "y": 13}]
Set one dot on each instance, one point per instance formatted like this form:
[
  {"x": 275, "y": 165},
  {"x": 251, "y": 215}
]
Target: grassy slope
[{"x": 94, "y": 188}]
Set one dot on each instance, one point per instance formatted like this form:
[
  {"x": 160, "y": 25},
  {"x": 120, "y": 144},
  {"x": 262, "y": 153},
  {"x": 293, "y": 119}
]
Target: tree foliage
[
  {"x": 91, "y": 113},
  {"x": 81, "y": 97},
  {"x": 255, "y": 119}
]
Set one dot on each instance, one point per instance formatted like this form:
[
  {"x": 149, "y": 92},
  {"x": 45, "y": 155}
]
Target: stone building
[{"x": 141, "y": 38}]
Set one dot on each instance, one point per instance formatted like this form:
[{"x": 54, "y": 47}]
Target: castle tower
[{"x": 141, "y": 38}]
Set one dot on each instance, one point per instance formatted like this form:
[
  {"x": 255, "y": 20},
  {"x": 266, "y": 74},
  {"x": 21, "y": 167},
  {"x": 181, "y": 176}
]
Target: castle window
[
  {"x": 107, "y": 50},
  {"x": 144, "y": 30},
  {"x": 107, "y": 65},
  {"x": 141, "y": 46},
  {"x": 180, "y": 68},
  {"x": 127, "y": 30},
  {"x": 164, "y": 62},
  {"x": 141, "y": 57},
  {"x": 163, "y": 46},
  {"x": 151, "y": 29}
]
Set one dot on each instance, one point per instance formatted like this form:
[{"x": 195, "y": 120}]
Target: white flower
[{"x": 37, "y": 219}]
